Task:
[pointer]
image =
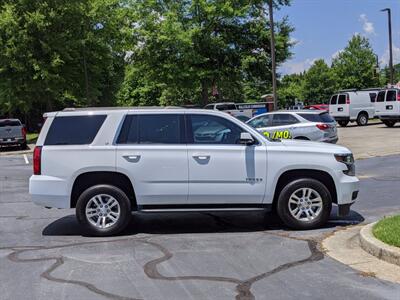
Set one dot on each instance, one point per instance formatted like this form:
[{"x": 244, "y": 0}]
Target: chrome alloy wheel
[
  {"x": 102, "y": 211},
  {"x": 305, "y": 204}
]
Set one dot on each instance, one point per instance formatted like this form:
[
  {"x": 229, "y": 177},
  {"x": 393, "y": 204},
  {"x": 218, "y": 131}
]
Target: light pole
[
  {"x": 273, "y": 59},
  {"x": 390, "y": 43}
]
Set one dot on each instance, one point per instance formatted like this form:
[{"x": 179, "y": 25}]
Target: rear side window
[
  {"x": 334, "y": 100},
  {"x": 11, "y": 123},
  {"x": 152, "y": 129},
  {"x": 74, "y": 130},
  {"x": 324, "y": 117},
  {"x": 372, "y": 97},
  {"x": 342, "y": 99},
  {"x": 380, "y": 97},
  {"x": 391, "y": 95},
  {"x": 283, "y": 119}
]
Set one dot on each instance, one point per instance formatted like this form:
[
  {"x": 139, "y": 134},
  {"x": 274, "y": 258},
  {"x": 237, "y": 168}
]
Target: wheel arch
[
  {"x": 91, "y": 178},
  {"x": 291, "y": 175},
  {"x": 364, "y": 112}
]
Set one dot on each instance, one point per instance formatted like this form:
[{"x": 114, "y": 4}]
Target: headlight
[{"x": 348, "y": 160}]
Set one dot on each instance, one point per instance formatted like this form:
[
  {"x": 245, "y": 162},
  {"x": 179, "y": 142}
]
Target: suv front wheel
[
  {"x": 103, "y": 210},
  {"x": 304, "y": 204}
]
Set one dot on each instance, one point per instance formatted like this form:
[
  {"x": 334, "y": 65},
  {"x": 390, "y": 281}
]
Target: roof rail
[{"x": 359, "y": 90}]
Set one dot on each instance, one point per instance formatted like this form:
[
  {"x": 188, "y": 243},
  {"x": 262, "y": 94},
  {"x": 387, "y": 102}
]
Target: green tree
[
  {"x": 354, "y": 67},
  {"x": 197, "y": 51},
  {"x": 57, "y": 53},
  {"x": 290, "y": 89},
  {"x": 319, "y": 83}
]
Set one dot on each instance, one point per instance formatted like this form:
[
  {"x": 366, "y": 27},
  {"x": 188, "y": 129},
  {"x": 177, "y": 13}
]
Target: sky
[{"x": 324, "y": 27}]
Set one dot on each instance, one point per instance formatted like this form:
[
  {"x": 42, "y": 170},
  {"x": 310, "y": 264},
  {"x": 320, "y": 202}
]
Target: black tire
[
  {"x": 389, "y": 123},
  {"x": 118, "y": 195},
  {"x": 283, "y": 204},
  {"x": 301, "y": 138},
  {"x": 343, "y": 123},
  {"x": 362, "y": 119}
]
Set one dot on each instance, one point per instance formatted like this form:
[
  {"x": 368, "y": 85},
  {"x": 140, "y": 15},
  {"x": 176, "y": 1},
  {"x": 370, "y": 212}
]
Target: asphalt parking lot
[{"x": 43, "y": 254}]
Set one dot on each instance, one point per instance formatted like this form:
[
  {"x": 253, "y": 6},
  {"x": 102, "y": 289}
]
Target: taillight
[
  {"x": 37, "y": 160},
  {"x": 23, "y": 131},
  {"x": 347, "y": 100},
  {"x": 322, "y": 126},
  {"x": 398, "y": 96}
]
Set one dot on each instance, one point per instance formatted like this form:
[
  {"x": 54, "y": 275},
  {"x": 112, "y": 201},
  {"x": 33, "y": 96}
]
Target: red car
[{"x": 317, "y": 107}]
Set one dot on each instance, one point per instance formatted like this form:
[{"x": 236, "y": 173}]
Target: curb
[
  {"x": 28, "y": 151},
  {"x": 377, "y": 248}
]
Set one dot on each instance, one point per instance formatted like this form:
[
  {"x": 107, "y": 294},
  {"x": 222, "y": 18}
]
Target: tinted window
[
  {"x": 333, "y": 99},
  {"x": 381, "y": 96},
  {"x": 209, "y": 106},
  {"x": 11, "y": 123},
  {"x": 205, "y": 129},
  {"x": 74, "y": 130},
  {"x": 324, "y": 117},
  {"x": 152, "y": 129},
  {"x": 226, "y": 107},
  {"x": 372, "y": 96},
  {"x": 342, "y": 99},
  {"x": 283, "y": 119},
  {"x": 391, "y": 95},
  {"x": 260, "y": 122}
]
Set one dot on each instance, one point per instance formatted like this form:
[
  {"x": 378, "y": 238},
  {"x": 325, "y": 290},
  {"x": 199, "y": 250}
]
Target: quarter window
[
  {"x": 74, "y": 130},
  {"x": 206, "y": 129}
]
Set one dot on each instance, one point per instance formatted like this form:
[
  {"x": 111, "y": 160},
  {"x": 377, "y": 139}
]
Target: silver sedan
[{"x": 313, "y": 125}]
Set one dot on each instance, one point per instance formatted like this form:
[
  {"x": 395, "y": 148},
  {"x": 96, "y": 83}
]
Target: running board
[{"x": 204, "y": 207}]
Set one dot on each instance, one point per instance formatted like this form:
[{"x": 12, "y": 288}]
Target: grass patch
[
  {"x": 388, "y": 230},
  {"x": 31, "y": 138}
]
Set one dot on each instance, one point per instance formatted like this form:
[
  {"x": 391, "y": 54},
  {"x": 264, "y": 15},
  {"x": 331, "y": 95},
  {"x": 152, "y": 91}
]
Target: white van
[
  {"x": 387, "y": 106},
  {"x": 353, "y": 105}
]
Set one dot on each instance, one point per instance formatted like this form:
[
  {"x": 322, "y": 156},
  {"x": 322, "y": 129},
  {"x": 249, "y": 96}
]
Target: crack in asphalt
[{"x": 243, "y": 287}]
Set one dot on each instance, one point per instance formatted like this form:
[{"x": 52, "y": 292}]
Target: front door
[
  {"x": 221, "y": 170},
  {"x": 151, "y": 150}
]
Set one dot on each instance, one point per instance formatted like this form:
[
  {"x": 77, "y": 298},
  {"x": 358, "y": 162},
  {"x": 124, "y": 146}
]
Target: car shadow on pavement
[{"x": 197, "y": 222}]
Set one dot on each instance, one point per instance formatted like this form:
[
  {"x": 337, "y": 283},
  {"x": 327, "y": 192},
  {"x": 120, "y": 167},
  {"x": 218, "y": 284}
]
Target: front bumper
[
  {"x": 347, "y": 189},
  {"x": 49, "y": 191}
]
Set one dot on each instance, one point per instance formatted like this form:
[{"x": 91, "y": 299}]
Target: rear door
[
  {"x": 391, "y": 104},
  {"x": 151, "y": 150},
  {"x": 380, "y": 103},
  {"x": 284, "y": 126},
  {"x": 333, "y": 105},
  {"x": 342, "y": 107}
]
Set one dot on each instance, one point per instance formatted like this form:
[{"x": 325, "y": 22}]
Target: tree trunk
[{"x": 204, "y": 93}]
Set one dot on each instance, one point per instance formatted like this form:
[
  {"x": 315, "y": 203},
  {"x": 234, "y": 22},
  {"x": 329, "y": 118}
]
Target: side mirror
[{"x": 246, "y": 139}]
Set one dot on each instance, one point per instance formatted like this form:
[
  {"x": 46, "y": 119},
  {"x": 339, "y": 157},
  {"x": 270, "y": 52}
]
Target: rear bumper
[
  {"x": 12, "y": 141},
  {"x": 395, "y": 118},
  {"x": 49, "y": 191},
  {"x": 332, "y": 140},
  {"x": 338, "y": 118}
]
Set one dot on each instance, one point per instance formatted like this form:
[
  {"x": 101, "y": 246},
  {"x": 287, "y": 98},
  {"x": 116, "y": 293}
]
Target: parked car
[
  {"x": 353, "y": 106},
  {"x": 388, "y": 106},
  {"x": 241, "y": 110},
  {"x": 318, "y": 107},
  {"x": 313, "y": 125},
  {"x": 12, "y": 133},
  {"x": 106, "y": 163}
]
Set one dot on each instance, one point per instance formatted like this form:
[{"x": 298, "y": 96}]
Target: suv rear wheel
[
  {"x": 389, "y": 123},
  {"x": 362, "y": 119},
  {"x": 304, "y": 204},
  {"x": 103, "y": 210},
  {"x": 343, "y": 123}
]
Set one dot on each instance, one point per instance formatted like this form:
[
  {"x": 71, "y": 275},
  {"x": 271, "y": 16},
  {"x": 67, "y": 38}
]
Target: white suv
[{"x": 107, "y": 163}]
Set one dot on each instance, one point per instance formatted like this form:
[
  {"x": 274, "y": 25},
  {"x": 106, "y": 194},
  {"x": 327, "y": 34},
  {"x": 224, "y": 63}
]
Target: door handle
[
  {"x": 201, "y": 156},
  {"x": 132, "y": 158}
]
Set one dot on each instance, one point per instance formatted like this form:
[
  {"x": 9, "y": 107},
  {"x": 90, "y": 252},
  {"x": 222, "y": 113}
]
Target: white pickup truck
[{"x": 107, "y": 163}]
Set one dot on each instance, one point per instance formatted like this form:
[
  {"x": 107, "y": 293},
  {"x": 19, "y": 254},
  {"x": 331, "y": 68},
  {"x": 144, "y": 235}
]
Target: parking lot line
[{"x": 26, "y": 159}]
